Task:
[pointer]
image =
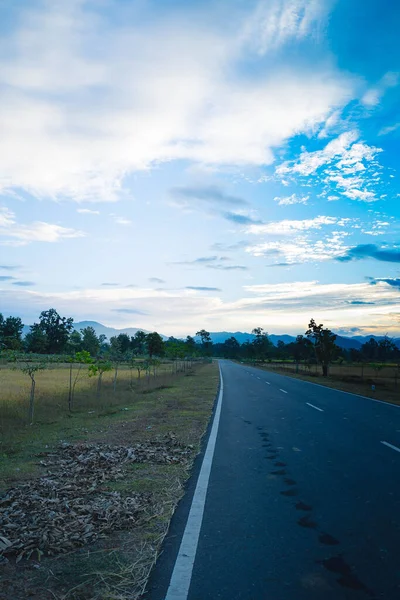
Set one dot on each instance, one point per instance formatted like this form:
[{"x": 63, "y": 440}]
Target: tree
[
  {"x": 116, "y": 356},
  {"x": 11, "y": 332},
  {"x": 138, "y": 342},
  {"x": 82, "y": 358},
  {"x": 57, "y": 330},
  {"x": 30, "y": 369},
  {"x": 324, "y": 344},
  {"x": 387, "y": 349},
  {"x": 206, "y": 341},
  {"x": 124, "y": 342},
  {"x": 190, "y": 345},
  {"x": 231, "y": 347},
  {"x": 90, "y": 341},
  {"x": 99, "y": 368},
  {"x": 75, "y": 342},
  {"x": 369, "y": 350},
  {"x": 155, "y": 344},
  {"x": 36, "y": 340},
  {"x": 302, "y": 349},
  {"x": 261, "y": 343}
]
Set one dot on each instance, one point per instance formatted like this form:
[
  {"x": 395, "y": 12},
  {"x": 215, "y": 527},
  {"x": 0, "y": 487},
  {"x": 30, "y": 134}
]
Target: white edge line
[
  {"x": 182, "y": 574},
  {"x": 327, "y": 387},
  {"x": 316, "y": 407},
  {"x": 391, "y": 446},
  {"x": 268, "y": 383},
  {"x": 281, "y": 390}
]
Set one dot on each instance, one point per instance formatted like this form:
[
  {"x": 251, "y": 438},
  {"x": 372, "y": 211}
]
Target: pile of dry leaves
[{"x": 69, "y": 506}]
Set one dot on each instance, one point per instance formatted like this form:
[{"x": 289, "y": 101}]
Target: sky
[{"x": 208, "y": 164}]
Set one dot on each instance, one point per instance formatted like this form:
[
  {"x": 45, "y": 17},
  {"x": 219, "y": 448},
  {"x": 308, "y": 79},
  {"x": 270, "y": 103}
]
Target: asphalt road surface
[{"x": 303, "y": 497}]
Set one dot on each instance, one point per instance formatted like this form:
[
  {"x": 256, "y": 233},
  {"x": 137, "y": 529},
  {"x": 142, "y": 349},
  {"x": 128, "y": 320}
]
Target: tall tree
[
  {"x": 90, "y": 341},
  {"x": 369, "y": 350},
  {"x": 206, "y": 341},
  {"x": 36, "y": 340},
  {"x": 387, "y": 349},
  {"x": 231, "y": 347},
  {"x": 138, "y": 342},
  {"x": 11, "y": 332},
  {"x": 124, "y": 342},
  {"x": 324, "y": 344},
  {"x": 190, "y": 345},
  {"x": 261, "y": 343},
  {"x": 75, "y": 342},
  {"x": 57, "y": 330},
  {"x": 155, "y": 344}
]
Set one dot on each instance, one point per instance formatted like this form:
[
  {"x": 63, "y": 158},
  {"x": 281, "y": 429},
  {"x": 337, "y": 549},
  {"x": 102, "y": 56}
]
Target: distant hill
[
  {"x": 218, "y": 337},
  {"x": 343, "y": 342},
  {"x": 347, "y": 343},
  {"x": 101, "y": 329}
]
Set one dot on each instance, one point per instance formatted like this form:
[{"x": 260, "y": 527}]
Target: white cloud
[
  {"x": 276, "y": 307},
  {"x": 292, "y": 226},
  {"x": 389, "y": 129},
  {"x": 293, "y": 199},
  {"x": 122, "y": 221},
  {"x": 276, "y": 22},
  {"x": 6, "y": 217},
  {"x": 330, "y": 124},
  {"x": 301, "y": 249},
  {"x": 84, "y": 102},
  {"x": 14, "y": 234},
  {"x": 344, "y": 162},
  {"x": 373, "y": 96},
  {"x": 88, "y": 211}
]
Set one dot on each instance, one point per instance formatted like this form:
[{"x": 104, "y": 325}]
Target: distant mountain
[
  {"x": 101, "y": 329},
  {"x": 218, "y": 337},
  {"x": 347, "y": 343}
]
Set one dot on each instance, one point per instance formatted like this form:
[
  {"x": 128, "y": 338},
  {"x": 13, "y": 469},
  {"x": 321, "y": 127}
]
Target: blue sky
[{"x": 227, "y": 165}]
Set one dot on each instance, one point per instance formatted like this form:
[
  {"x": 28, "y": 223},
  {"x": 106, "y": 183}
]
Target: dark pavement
[{"x": 302, "y": 503}]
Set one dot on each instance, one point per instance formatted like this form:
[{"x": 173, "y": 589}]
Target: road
[{"x": 303, "y": 498}]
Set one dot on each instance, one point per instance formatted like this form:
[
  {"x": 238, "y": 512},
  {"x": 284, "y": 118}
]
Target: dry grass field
[{"x": 117, "y": 563}]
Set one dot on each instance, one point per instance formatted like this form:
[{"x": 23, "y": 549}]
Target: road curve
[{"x": 303, "y": 497}]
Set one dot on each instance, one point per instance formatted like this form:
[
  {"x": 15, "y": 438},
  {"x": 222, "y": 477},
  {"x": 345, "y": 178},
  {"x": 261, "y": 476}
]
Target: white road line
[
  {"x": 326, "y": 387},
  {"x": 316, "y": 407},
  {"x": 284, "y": 391},
  {"x": 258, "y": 377},
  {"x": 268, "y": 383},
  {"x": 182, "y": 574},
  {"x": 391, "y": 446}
]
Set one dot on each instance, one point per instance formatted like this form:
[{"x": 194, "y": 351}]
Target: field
[
  {"x": 375, "y": 380},
  {"x": 53, "y": 384},
  {"x": 159, "y": 421}
]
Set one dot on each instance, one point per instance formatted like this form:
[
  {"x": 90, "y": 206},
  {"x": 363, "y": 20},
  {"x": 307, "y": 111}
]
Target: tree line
[
  {"x": 316, "y": 346},
  {"x": 54, "y": 334}
]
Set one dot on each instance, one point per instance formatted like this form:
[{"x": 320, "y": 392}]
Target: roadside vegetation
[
  {"x": 373, "y": 370},
  {"x": 97, "y": 439}
]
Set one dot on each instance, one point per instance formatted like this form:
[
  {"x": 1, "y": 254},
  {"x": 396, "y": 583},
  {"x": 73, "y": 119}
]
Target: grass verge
[
  {"x": 117, "y": 565},
  {"x": 353, "y": 385}
]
